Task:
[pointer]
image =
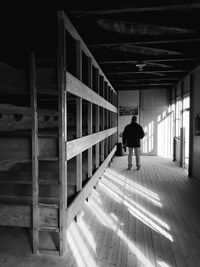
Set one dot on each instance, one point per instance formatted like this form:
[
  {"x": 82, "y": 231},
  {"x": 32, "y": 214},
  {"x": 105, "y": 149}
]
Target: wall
[
  {"x": 128, "y": 106},
  {"x": 154, "y": 118},
  {"x": 191, "y": 83}
]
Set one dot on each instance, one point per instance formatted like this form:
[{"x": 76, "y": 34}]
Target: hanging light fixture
[{"x": 140, "y": 66}]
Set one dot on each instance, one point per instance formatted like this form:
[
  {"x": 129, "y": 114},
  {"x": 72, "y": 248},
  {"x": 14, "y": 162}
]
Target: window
[{"x": 178, "y": 117}]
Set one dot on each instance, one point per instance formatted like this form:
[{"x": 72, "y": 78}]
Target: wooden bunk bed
[{"x": 46, "y": 189}]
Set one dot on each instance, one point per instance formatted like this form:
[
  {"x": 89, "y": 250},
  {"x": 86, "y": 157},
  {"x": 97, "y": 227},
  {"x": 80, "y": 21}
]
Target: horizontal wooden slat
[
  {"x": 48, "y": 252},
  {"x": 48, "y": 206},
  {"x": 11, "y": 199},
  {"x": 15, "y": 182},
  {"x": 72, "y": 31},
  {"x": 79, "y": 145},
  {"x": 15, "y": 215},
  {"x": 76, "y": 87},
  {"x": 20, "y": 215},
  {"x": 47, "y": 158},
  {"x": 78, "y": 202},
  {"x": 49, "y": 229}
]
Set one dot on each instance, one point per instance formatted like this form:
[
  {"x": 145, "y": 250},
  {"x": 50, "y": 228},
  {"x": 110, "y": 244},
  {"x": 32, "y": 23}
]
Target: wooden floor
[{"x": 149, "y": 217}]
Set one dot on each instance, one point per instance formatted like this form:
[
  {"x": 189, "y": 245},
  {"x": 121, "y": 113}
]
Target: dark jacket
[{"x": 132, "y": 134}]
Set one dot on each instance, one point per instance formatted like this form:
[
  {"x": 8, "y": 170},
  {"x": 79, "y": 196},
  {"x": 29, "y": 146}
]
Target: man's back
[{"x": 132, "y": 134}]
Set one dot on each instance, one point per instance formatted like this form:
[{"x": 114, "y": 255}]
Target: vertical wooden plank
[
  {"x": 97, "y": 119},
  {"x": 174, "y": 145},
  {"x": 35, "y": 167},
  {"x": 107, "y": 117},
  {"x": 191, "y": 127},
  {"x": 78, "y": 117},
  {"x": 102, "y": 121},
  {"x": 62, "y": 113},
  {"x": 117, "y": 105},
  {"x": 182, "y": 136},
  {"x": 90, "y": 117},
  {"x": 110, "y": 118}
]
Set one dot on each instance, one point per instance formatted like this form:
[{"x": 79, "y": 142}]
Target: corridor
[{"x": 133, "y": 218}]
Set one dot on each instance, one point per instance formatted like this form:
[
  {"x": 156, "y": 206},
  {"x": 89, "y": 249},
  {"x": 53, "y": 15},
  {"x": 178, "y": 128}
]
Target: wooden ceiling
[{"x": 139, "y": 44}]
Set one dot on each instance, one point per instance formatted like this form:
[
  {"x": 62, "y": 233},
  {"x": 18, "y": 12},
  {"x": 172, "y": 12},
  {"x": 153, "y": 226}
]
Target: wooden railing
[{"x": 86, "y": 82}]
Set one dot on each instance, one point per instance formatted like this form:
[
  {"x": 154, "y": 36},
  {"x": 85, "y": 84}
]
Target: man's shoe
[
  {"x": 138, "y": 167},
  {"x": 129, "y": 168}
]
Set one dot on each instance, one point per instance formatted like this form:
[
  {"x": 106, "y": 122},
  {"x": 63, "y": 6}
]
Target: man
[{"x": 132, "y": 134}]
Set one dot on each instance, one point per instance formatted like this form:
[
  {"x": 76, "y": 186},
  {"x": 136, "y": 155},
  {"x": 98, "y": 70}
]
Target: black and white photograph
[{"x": 100, "y": 133}]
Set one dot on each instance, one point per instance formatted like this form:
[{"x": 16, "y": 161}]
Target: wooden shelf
[
  {"x": 50, "y": 206},
  {"x": 48, "y": 182},
  {"x": 49, "y": 229},
  {"x": 15, "y": 182},
  {"x": 47, "y": 158},
  {"x": 48, "y": 252},
  {"x": 47, "y": 134}
]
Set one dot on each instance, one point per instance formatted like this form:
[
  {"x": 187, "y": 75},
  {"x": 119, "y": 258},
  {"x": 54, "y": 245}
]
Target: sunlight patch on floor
[
  {"x": 115, "y": 227},
  {"x": 136, "y": 190},
  {"x": 79, "y": 247}
]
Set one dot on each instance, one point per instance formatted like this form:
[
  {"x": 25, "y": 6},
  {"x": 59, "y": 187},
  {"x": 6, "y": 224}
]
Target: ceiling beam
[
  {"x": 135, "y": 28},
  {"x": 146, "y": 72},
  {"x": 143, "y": 80},
  {"x": 135, "y": 9},
  {"x": 134, "y": 88},
  {"x": 144, "y": 84},
  {"x": 102, "y": 45},
  {"x": 149, "y": 60},
  {"x": 142, "y": 50}
]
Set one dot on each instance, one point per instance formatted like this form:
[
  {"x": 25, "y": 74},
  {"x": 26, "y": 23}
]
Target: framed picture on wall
[{"x": 125, "y": 110}]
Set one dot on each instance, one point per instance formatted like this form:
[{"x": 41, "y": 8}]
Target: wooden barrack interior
[{"x": 58, "y": 143}]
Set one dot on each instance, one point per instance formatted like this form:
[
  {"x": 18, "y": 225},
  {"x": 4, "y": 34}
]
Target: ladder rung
[
  {"x": 50, "y": 206},
  {"x": 48, "y": 182},
  {"x": 49, "y": 229},
  {"x": 48, "y": 252},
  {"x": 15, "y": 182},
  {"x": 47, "y": 158},
  {"x": 40, "y": 134}
]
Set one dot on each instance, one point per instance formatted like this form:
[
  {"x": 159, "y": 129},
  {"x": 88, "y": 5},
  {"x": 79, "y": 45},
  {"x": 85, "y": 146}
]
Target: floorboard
[{"x": 133, "y": 218}]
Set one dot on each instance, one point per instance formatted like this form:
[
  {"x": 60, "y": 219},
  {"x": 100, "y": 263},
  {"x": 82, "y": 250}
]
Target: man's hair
[{"x": 134, "y": 118}]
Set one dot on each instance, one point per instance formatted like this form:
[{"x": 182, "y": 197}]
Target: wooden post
[
  {"x": 106, "y": 118},
  {"x": 78, "y": 116},
  {"x": 62, "y": 113},
  {"x": 191, "y": 127},
  {"x": 97, "y": 119},
  {"x": 102, "y": 121},
  {"x": 35, "y": 167},
  {"x": 175, "y": 122},
  {"x": 90, "y": 117},
  {"x": 182, "y": 136},
  {"x": 110, "y": 118},
  {"x": 117, "y": 105}
]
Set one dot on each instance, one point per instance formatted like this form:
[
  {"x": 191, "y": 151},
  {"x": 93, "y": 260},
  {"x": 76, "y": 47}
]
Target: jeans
[{"x": 137, "y": 156}]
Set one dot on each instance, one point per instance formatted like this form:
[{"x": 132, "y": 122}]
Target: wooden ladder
[{"x": 57, "y": 209}]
